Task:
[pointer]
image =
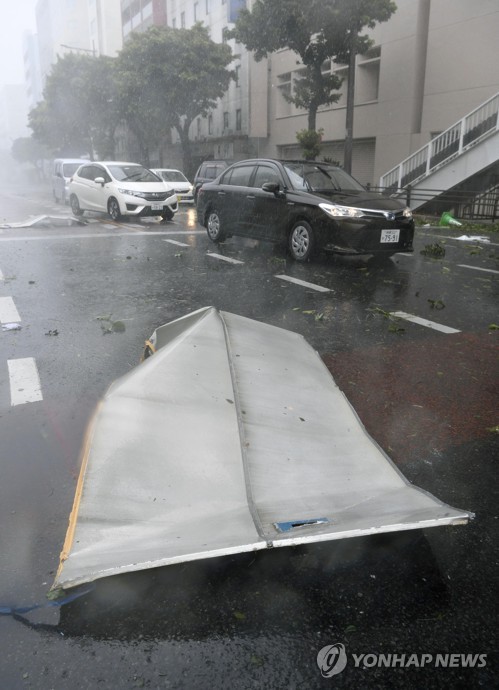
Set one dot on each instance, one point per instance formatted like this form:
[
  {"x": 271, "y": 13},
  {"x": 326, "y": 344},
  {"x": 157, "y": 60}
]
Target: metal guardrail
[
  {"x": 466, "y": 204},
  {"x": 456, "y": 140}
]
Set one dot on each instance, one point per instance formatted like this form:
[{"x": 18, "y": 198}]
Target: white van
[{"x": 62, "y": 171}]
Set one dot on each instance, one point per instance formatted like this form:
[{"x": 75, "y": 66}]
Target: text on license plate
[
  {"x": 390, "y": 236},
  {"x": 159, "y": 207}
]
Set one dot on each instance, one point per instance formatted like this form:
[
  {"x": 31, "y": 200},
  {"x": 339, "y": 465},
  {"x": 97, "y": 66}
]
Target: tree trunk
[
  {"x": 312, "y": 116},
  {"x": 347, "y": 156}
]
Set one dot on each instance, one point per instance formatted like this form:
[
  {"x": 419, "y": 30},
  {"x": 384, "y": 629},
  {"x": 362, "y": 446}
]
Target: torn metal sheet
[
  {"x": 44, "y": 221},
  {"x": 231, "y": 437}
]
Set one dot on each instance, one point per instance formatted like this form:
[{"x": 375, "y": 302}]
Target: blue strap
[{"x": 19, "y": 610}]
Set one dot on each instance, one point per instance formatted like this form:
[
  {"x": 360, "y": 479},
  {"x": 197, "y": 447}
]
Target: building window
[
  {"x": 226, "y": 120},
  {"x": 238, "y": 75},
  {"x": 238, "y": 119},
  {"x": 182, "y": 20}
]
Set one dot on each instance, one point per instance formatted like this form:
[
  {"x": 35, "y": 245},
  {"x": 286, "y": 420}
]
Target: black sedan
[{"x": 308, "y": 205}]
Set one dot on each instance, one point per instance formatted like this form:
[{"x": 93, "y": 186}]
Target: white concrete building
[{"x": 430, "y": 64}]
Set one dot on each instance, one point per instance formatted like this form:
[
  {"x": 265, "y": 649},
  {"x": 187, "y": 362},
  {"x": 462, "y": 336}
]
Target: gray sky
[{"x": 17, "y": 16}]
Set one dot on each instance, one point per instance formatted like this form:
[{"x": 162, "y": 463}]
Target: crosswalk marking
[
  {"x": 8, "y": 311},
  {"x": 24, "y": 381}
]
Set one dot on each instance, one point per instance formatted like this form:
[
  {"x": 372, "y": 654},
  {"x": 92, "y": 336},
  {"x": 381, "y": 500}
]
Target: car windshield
[
  {"x": 135, "y": 173},
  {"x": 317, "y": 177},
  {"x": 70, "y": 169},
  {"x": 172, "y": 175}
]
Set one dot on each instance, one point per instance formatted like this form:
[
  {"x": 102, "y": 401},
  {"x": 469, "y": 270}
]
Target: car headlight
[
  {"x": 141, "y": 195},
  {"x": 407, "y": 213},
  {"x": 336, "y": 211}
]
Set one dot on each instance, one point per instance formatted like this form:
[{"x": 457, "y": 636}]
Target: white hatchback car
[
  {"x": 121, "y": 189},
  {"x": 176, "y": 179}
]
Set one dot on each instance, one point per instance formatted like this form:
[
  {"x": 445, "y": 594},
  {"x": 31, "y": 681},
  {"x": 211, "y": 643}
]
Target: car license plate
[
  {"x": 156, "y": 207},
  {"x": 390, "y": 235}
]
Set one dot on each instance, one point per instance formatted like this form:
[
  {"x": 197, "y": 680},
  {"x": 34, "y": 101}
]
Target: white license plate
[
  {"x": 157, "y": 207},
  {"x": 390, "y": 236}
]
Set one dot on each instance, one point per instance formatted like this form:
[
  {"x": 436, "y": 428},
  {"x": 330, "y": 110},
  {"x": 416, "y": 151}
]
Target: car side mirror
[
  {"x": 272, "y": 187},
  {"x": 100, "y": 180}
]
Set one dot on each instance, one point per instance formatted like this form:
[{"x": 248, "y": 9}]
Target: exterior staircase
[{"x": 464, "y": 150}]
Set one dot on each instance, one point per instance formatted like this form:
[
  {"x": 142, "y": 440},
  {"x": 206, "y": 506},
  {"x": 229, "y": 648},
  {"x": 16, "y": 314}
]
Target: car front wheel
[
  {"x": 301, "y": 241},
  {"x": 113, "y": 208},
  {"x": 214, "y": 226},
  {"x": 75, "y": 206}
]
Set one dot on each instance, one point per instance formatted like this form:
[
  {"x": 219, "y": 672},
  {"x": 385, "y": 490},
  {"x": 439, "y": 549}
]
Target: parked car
[
  {"x": 306, "y": 204},
  {"x": 178, "y": 182},
  {"x": 121, "y": 189},
  {"x": 207, "y": 172},
  {"x": 62, "y": 170}
]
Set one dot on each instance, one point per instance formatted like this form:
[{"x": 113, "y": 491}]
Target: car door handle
[
  {"x": 251, "y": 196},
  {"x": 221, "y": 193}
]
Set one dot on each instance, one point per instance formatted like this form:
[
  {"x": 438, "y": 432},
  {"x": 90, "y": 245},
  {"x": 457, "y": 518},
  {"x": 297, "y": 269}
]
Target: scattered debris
[
  {"x": 11, "y": 327},
  {"x": 493, "y": 327},
  {"x": 433, "y": 250},
  {"x": 473, "y": 238},
  {"x": 54, "y": 332},
  {"x": 447, "y": 219},
  {"x": 436, "y": 304},
  {"x": 111, "y": 326}
]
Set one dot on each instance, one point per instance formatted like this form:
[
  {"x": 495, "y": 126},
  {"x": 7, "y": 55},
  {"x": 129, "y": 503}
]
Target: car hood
[
  {"x": 211, "y": 447},
  {"x": 158, "y": 187},
  {"x": 365, "y": 199}
]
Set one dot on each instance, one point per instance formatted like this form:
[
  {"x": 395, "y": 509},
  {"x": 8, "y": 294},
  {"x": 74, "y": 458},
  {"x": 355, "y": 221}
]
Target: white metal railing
[{"x": 456, "y": 140}]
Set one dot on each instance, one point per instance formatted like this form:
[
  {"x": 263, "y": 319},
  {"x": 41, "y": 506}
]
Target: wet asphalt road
[{"x": 429, "y": 398}]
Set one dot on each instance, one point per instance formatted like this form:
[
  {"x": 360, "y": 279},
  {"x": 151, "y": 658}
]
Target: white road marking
[
  {"x": 80, "y": 236},
  {"x": 24, "y": 381},
  {"x": 179, "y": 244},
  {"x": 424, "y": 322},
  {"x": 477, "y": 268},
  {"x": 224, "y": 258},
  {"x": 303, "y": 283},
  {"x": 1, "y": 277},
  {"x": 8, "y": 311}
]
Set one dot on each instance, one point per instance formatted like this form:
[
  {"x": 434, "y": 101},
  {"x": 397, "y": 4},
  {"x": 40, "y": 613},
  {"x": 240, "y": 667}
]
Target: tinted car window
[
  {"x": 316, "y": 177},
  {"x": 136, "y": 173},
  {"x": 86, "y": 172},
  {"x": 239, "y": 176},
  {"x": 265, "y": 173},
  {"x": 69, "y": 169}
]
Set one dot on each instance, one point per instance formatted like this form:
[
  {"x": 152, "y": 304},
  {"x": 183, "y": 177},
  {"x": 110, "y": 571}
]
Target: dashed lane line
[
  {"x": 179, "y": 244},
  {"x": 478, "y": 268},
  {"x": 8, "y": 311},
  {"x": 424, "y": 322},
  {"x": 224, "y": 258},
  {"x": 303, "y": 283},
  {"x": 24, "y": 381}
]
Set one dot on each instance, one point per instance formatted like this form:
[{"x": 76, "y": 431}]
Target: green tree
[
  {"x": 29, "y": 150},
  {"x": 317, "y": 31},
  {"x": 78, "y": 112},
  {"x": 168, "y": 77}
]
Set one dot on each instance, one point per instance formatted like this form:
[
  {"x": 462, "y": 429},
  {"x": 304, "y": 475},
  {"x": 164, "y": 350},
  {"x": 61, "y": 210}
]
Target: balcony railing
[{"x": 456, "y": 140}]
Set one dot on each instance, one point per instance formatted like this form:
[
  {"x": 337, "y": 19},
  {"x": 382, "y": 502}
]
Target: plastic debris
[
  {"x": 447, "y": 219},
  {"x": 11, "y": 327}
]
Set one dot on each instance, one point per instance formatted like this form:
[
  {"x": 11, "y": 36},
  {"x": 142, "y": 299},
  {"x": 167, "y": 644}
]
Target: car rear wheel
[
  {"x": 214, "y": 226},
  {"x": 113, "y": 208},
  {"x": 301, "y": 241},
  {"x": 75, "y": 205}
]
